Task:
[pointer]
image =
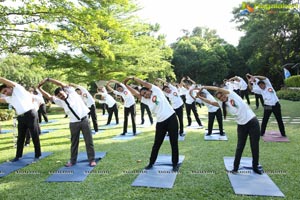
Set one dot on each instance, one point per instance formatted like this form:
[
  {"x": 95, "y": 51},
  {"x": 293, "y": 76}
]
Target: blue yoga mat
[
  {"x": 246, "y": 182},
  {"x": 127, "y": 136},
  {"x": 44, "y": 131},
  {"x": 77, "y": 172},
  {"x": 5, "y": 131},
  {"x": 160, "y": 176},
  {"x": 9, "y": 167},
  {"x": 49, "y": 121}
]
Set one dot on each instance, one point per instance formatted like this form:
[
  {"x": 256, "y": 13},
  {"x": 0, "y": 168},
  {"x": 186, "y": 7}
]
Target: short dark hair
[
  {"x": 165, "y": 86},
  {"x": 144, "y": 88},
  {"x": 261, "y": 82},
  {"x": 2, "y": 87},
  {"x": 77, "y": 89},
  {"x": 57, "y": 90}
]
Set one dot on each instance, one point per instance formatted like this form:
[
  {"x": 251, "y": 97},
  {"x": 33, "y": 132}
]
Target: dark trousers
[
  {"x": 93, "y": 115},
  {"x": 143, "y": 108},
  {"x": 245, "y": 93},
  {"x": 276, "y": 110},
  {"x": 42, "y": 112},
  {"x": 75, "y": 129},
  {"x": 179, "y": 113},
  {"x": 257, "y": 98},
  {"x": 237, "y": 91},
  {"x": 130, "y": 110},
  {"x": 28, "y": 135},
  {"x": 170, "y": 125},
  {"x": 111, "y": 111},
  {"x": 29, "y": 120},
  {"x": 211, "y": 119},
  {"x": 251, "y": 129},
  {"x": 192, "y": 107},
  {"x": 103, "y": 106}
]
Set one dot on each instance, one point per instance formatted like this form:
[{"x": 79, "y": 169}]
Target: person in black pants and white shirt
[
  {"x": 21, "y": 100},
  {"x": 166, "y": 119},
  {"x": 247, "y": 124},
  {"x": 271, "y": 103},
  {"x": 67, "y": 98},
  {"x": 129, "y": 104}
]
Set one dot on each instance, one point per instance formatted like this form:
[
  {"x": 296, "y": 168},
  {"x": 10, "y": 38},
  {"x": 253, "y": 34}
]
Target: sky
[{"x": 176, "y": 15}]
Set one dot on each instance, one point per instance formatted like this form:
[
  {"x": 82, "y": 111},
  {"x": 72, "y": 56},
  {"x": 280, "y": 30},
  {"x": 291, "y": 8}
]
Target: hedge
[
  {"x": 288, "y": 94},
  {"x": 293, "y": 81}
]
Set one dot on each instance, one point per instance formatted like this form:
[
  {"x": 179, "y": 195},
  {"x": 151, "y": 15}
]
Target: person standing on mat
[
  {"x": 27, "y": 116},
  {"x": 129, "y": 104},
  {"x": 243, "y": 87},
  {"x": 176, "y": 102},
  {"x": 213, "y": 111},
  {"x": 271, "y": 103},
  {"x": 247, "y": 124},
  {"x": 166, "y": 119},
  {"x": 67, "y": 98}
]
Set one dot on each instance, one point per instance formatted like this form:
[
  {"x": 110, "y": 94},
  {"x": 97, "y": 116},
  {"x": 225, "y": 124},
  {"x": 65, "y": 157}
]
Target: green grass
[{"x": 119, "y": 168}]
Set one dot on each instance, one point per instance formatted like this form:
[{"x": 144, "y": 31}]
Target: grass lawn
[{"x": 279, "y": 160}]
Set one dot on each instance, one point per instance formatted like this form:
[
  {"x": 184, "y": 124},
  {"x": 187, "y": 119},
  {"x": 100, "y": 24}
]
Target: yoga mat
[
  {"x": 194, "y": 126},
  {"x": 128, "y": 136},
  {"x": 77, "y": 172},
  {"x": 160, "y": 176},
  {"x": 44, "y": 131},
  {"x": 104, "y": 127},
  {"x": 246, "y": 182},
  {"x": 215, "y": 136},
  {"x": 180, "y": 138},
  {"x": 3, "y": 131},
  {"x": 274, "y": 136},
  {"x": 49, "y": 121},
  {"x": 27, "y": 159}
]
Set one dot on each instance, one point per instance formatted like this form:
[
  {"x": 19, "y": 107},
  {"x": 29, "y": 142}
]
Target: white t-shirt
[
  {"x": 189, "y": 99},
  {"x": 158, "y": 104},
  {"x": 20, "y": 99},
  {"x": 243, "y": 85},
  {"x": 238, "y": 108},
  {"x": 86, "y": 97},
  {"x": 126, "y": 95},
  {"x": 229, "y": 85},
  {"x": 210, "y": 107},
  {"x": 269, "y": 94},
  {"x": 174, "y": 97},
  {"x": 108, "y": 99},
  {"x": 76, "y": 103}
]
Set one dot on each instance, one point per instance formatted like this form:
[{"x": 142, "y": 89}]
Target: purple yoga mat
[{"x": 274, "y": 136}]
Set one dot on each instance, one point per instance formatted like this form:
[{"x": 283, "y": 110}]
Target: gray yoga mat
[
  {"x": 127, "y": 136},
  {"x": 180, "y": 138},
  {"x": 77, "y": 172},
  {"x": 215, "y": 136},
  {"x": 160, "y": 176},
  {"x": 27, "y": 159},
  {"x": 246, "y": 182}
]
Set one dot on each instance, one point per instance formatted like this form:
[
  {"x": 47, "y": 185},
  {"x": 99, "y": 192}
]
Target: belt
[
  {"x": 25, "y": 113},
  {"x": 83, "y": 118}
]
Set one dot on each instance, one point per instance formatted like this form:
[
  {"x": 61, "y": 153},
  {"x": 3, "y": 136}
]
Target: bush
[
  {"x": 293, "y": 81},
  {"x": 288, "y": 94},
  {"x": 6, "y": 114}
]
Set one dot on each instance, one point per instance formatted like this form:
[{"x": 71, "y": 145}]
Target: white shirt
[
  {"x": 237, "y": 107},
  {"x": 189, "y": 99},
  {"x": 76, "y": 104},
  {"x": 210, "y": 107},
  {"x": 86, "y": 97},
  {"x": 108, "y": 99},
  {"x": 269, "y": 94},
  {"x": 174, "y": 97},
  {"x": 37, "y": 101},
  {"x": 158, "y": 104},
  {"x": 229, "y": 85},
  {"x": 20, "y": 99},
  {"x": 127, "y": 96},
  {"x": 243, "y": 85}
]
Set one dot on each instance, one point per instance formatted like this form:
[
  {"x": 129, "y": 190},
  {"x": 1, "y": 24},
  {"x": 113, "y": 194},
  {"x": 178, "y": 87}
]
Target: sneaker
[
  {"x": 93, "y": 163},
  {"x": 149, "y": 166},
  {"x": 69, "y": 164}
]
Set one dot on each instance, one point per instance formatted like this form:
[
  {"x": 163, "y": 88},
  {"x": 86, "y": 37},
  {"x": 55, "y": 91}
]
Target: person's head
[
  {"x": 119, "y": 88},
  {"x": 261, "y": 85},
  {"x": 5, "y": 90},
  {"x": 60, "y": 93},
  {"x": 202, "y": 94},
  {"x": 166, "y": 89},
  {"x": 101, "y": 97},
  {"x": 78, "y": 91},
  {"x": 221, "y": 96},
  {"x": 145, "y": 92}
]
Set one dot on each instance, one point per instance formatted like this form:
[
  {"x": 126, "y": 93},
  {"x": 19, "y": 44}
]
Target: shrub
[
  {"x": 288, "y": 94},
  {"x": 293, "y": 81},
  {"x": 6, "y": 114}
]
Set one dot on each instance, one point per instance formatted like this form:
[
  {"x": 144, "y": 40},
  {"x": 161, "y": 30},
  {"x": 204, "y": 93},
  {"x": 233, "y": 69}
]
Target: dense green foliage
[
  {"x": 293, "y": 81},
  {"x": 289, "y": 94}
]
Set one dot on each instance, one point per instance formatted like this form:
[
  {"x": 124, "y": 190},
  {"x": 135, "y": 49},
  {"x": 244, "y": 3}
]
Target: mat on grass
[
  {"x": 215, "y": 136},
  {"x": 3, "y": 131},
  {"x": 127, "y": 136},
  {"x": 27, "y": 159},
  {"x": 49, "y": 121},
  {"x": 77, "y": 172},
  {"x": 274, "y": 136},
  {"x": 180, "y": 138},
  {"x": 104, "y": 127},
  {"x": 246, "y": 182},
  {"x": 44, "y": 131},
  {"x": 160, "y": 176},
  {"x": 194, "y": 126}
]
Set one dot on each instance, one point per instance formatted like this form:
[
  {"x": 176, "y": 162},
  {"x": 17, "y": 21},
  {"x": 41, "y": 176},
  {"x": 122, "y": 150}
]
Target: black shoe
[
  {"x": 123, "y": 133},
  {"x": 134, "y": 134},
  {"x": 234, "y": 171},
  {"x": 175, "y": 168},
  {"x": 208, "y": 134},
  {"x": 222, "y": 134},
  {"x": 182, "y": 134},
  {"x": 15, "y": 159},
  {"x": 258, "y": 171},
  {"x": 149, "y": 166},
  {"x": 283, "y": 135}
]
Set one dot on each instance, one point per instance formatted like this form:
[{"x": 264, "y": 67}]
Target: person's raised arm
[
  {"x": 260, "y": 77},
  {"x": 133, "y": 91},
  {"x": 217, "y": 89},
  {"x": 56, "y": 82},
  {"x": 44, "y": 93},
  {"x": 7, "y": 82},
  {"x": 108, "y": 86},
  {"x": 142, "y": 82},
  {"x": 203, "y": 98},
  {"x": 188, "y": 78}
]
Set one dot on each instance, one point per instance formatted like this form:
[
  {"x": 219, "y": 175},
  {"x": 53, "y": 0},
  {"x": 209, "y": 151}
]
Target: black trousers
[
  {"x": 276, "y": 110},
  {"x": 131, "y": 111},
  {"x": 28, "y": 120},
  {"x": 179, "y": 113},
  {"x": 192, "y": 107},
  {"x": 245, "y": 93},
  {"x": 143, "y": 108},
  {"x": 93, "y": 115},
  {"x": 170, "y": 125},
  {"x": 211, "y": 119},
  {"x": 257, "y": 98},
  {"x": 42, "y": 112},
  {"x": 252, "y": 129},
  {"x": 111, "y": 111}
]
